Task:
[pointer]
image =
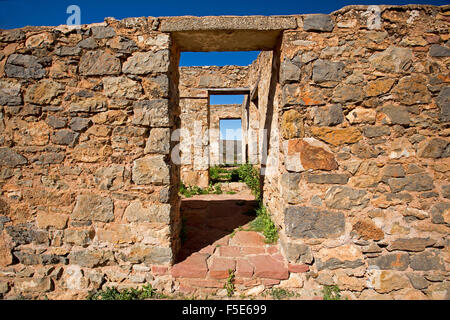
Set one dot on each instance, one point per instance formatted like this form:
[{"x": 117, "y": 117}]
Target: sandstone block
[
  {"x": 93, "y": 208},
  {"x": 98, "y": 63},
  {"x": 151, "y": 170},
  {"x": 318, "y": 22},
  {"x": 141, "y": 63}
]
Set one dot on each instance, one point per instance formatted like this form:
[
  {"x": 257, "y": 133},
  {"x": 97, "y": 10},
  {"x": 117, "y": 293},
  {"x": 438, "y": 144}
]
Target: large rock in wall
[
  {"x": 365, "y": 162},
  {"x": 88, "y": 191}
]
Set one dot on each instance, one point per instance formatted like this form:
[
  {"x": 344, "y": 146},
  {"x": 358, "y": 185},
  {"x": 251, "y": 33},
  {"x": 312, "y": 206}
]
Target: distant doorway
[{"x": 230, "y": 143}]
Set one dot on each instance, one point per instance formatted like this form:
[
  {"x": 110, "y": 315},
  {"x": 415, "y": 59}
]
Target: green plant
[
  {"x": 331, "y": 293},
  {"x": 280, "y": 293},
  {"x": 263, "y": 223},
  {"x": 231, "y": 192},
  {"x": 248, "y": 174},
  {"x": 229, "y": 284},
  {"x": 146, "y": 292}
]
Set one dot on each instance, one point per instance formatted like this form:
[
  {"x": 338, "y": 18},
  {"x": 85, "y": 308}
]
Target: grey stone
[
  {"x": 434, "y": 148},
  {"x": 27, "y": 258},
  {"x": 290, "y": 187},
  {"x": 437, "y": 212},
  {"x": 13, "y": 35},
  {"x": 396, "y": 114},
  {"x": 47, "y": 259},
  {"x": 411, "y": 244},
  {"x": 318, "y": 22},
  {"x": 164, "y": 195},
  {"x": 376, "y": 131},
  {"x": 159, "y": 86},
  {"x": 123, "y": 44},
  {"x": 65, "y": 137},
  {"x": 426, "y": 261},
  {"x": 78, "y": 237},
  {"x": 334, "y": 263},
  {"x": 93, "y": 208},
  {"x": 393, "y": 59},
  {"x": 297, "y": 252},
  {"x": 101, "y": 32},
  {"x": 327, "y": 178},
  {"x": 338, "y": 197},
  {"x": 11, "y": 159},
  {"x": 56, "y": 122},
  {"x": 98, "y": 63},
  {"x": 392, "y": 171},
  {"x": 325, "y": 70},
  {"x": 289, "y": 72},
  {"x": 51, "y": 158},
  {"x": 159, "y": 255},
  {"x": 68, "y": 51},
  {"x": 10, "y": 93},
  {"x": 91, "y": 258},
  {"x": 24, "y": 66},
  {"x": 439, "y": 51},
  {"x": 417, "y": 281},
  {"x": 307, "y": 222},
  {"x": 328, "y": 116},
  {"x": 151, "y": 170},
  {"x": 446, "y": 191},
  {"x": 153, "y": 113},
  {"x": 110, "y": 178},
  {"x": 158, "y": 141},
  {"x": 443, "y": 101},
  {"x": 348, "y": 93},
  {"x": 135, "y": 212},
  {"x": 391, "y": 261},
  {"x": 414, "y": 182},
  {"x": 141, "y": 63},
  {"x": 88, "y": 43},
  {"x": 79, "y": 124},
  {"x": 34, "y": 285},
  {"x": 4, "y": 287}
]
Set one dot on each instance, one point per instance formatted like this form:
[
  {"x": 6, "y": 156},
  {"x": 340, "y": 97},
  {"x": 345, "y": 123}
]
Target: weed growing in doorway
[
  {"x": 263, "y": 223},
  {"x": 189, "y": 191}
]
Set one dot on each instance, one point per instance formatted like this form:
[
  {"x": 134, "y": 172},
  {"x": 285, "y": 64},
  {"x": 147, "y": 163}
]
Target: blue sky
[{"x": 230, "y": 129}]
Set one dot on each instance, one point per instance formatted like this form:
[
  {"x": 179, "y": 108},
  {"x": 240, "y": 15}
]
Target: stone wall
[
  {"x": 354, "y": 156},
  {"x": 88, "y": 191},
  {"x": 364, "y": 122}
]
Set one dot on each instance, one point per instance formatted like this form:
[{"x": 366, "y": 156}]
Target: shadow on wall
[{"x": 208, "y": 221}]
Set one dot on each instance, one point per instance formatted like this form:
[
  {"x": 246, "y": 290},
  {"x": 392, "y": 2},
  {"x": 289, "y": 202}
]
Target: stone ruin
[{"x": 347, "y": 116}]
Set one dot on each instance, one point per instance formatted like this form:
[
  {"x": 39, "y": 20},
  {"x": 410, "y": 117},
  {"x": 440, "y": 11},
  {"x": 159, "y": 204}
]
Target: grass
[
  {"x": 189, "y": 191},
  {"x": 331, "y": 293},
  {"x": 280, "y": 293},
  {"x": 146, "y": 292}
]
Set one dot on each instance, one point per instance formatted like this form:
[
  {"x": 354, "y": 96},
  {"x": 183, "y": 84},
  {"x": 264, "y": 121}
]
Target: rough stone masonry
[{"x": 356, "y": 174}]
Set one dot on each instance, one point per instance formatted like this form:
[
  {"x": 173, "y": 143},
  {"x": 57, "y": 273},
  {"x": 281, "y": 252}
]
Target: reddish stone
[
  {"x": 268, "y": 267},
  {"x": 253, "y": 250},
  {"x": 201, "y": 283},
  {"x": 208, "y": 250},
  {"x": 433, "y": 38},
  {"x": 272, "y": 249},
  {"x": 270, "y": 282},
  {"x": 159, "y": 270},
  {"x": 230, "y": 251},
  {"x": 278, "y": 256},
  {"x": 244, "y": 269},
  {"x": 193, "y": 267},
  {"x": 298, "y": 268},
  {"x": 247, "y": 282},
  {"x": 247, "y": 238},
  {"x": 220, "y": 266},
  {"x": 312, "y": 157}
]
